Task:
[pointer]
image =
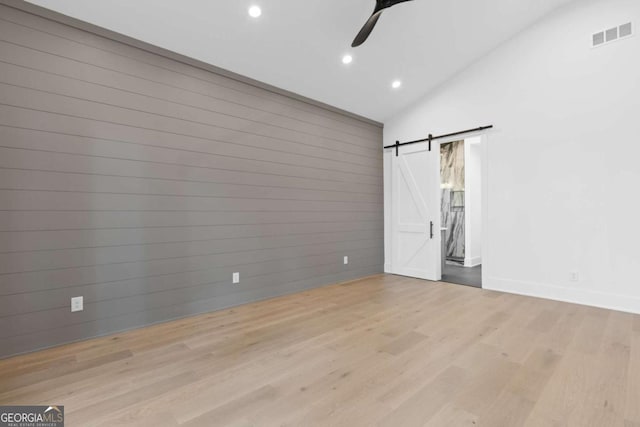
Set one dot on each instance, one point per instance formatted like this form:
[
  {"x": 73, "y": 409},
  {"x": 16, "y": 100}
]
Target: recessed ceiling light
[
  {"x": 347, "y": 59},
  {"x": 255, "y": 11},
  {"x": 396, "y": 84}
]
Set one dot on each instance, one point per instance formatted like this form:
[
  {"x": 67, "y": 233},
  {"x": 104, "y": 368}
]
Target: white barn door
[{"x": 415, "y": 212}]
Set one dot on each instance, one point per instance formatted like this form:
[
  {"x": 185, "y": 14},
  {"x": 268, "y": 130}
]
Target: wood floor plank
[
  {"x": 604, "y": 403},
  {"x": 491, "y": 370},
  {"x": 632, "y": 407},
  {"x": 233, "y": 411},
  {"x": 384, "y": 350},
  {"x": 427, "y": 402},
  {"x": 403, "y": 343},
  {"x": 544, "y": 321},
  {"x": 452, "y": 415},
  {"x": 434, "y": 355},
  {"x": 158, "y": 419},
  {"x": 92, "y": 414}
]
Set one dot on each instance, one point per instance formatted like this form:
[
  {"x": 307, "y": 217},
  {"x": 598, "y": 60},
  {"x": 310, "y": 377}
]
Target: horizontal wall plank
[
  {"x": 42, "y": 320},
  {"x": 147, "y": 220},
  {"x": 26, "y": 37},
  {"x": 19, "y": 262},
  {"x": 314, "y": 145},
  {"x": 330, "y": 119},
  {"x": 176, "y": 128},
  {"x": 15, "y": 179},
  {"x": 190, "y": 147},
  {"x": 143, "y": 95},
  {"x": 59, "y": 298},
  {"x": 15, "y": 283},
  {"x": 24, "y": 241},
  {"x": 75, "y": 332},
  {"x": 142, "y": 182},
  {"x": 46, "y": 160},
  {"x": 60, "y": 200}
]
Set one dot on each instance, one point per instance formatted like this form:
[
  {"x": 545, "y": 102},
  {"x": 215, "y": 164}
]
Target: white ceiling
[{"x": 297, "y": 45}]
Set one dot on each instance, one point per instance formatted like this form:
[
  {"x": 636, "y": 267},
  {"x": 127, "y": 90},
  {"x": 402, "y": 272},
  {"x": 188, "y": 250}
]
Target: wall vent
[
  {"x": 626, "y": 30},
  {"x": 612, "y": 34}
]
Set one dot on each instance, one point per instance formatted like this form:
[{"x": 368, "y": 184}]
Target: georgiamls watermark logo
[{"x": 32, "y": 416}]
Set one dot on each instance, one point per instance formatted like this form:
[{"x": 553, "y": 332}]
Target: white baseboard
[
  {"x": 560, "y": 293},
  {"x": 472, "y": 262}
]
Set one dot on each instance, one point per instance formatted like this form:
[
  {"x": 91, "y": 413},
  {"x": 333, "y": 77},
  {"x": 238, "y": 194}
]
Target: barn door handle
[{"x": 431, "y": 229}]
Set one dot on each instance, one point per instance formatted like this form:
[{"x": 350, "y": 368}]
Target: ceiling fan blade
[
  {"x": 389, "y": 3},
  {"x": 366, "y": 29}
]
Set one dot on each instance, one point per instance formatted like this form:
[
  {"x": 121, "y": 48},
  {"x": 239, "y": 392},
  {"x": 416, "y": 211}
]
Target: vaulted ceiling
[{"x": 298, "y": 45}]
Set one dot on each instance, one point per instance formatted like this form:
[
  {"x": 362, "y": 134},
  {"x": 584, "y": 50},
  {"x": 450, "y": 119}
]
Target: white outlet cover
[
  {"x": 346, "y": 260},
  {"x": 236, "y": 277},
  {"x": 77, "y": 304},
  {"x": 575, "y": 276}
]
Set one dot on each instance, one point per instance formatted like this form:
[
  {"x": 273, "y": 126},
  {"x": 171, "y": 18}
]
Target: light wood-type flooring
[{"x": 384, "y": 350}]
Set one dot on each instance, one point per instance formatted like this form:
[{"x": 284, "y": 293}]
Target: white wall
[
  {"x": 473, "y": 201},
  {"x": 562, "y": 163}
]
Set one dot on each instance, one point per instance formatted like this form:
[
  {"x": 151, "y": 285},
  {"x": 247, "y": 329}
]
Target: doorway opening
[{"x": 461, "y": 211}]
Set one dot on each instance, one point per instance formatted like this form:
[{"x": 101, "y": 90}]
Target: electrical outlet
[
  {"x": 236, "y": 278},
  {"x": 575, "y": 276},
  {"x": 77, "y": 304},
  {"x": 346, "y": 260}
]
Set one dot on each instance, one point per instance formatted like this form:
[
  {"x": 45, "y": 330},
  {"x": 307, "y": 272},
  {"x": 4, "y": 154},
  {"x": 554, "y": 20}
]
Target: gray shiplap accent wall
[{"x": 142, "y": 183}]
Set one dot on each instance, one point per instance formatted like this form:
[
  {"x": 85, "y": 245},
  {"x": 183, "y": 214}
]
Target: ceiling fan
[{"x": 381, "y": 5}]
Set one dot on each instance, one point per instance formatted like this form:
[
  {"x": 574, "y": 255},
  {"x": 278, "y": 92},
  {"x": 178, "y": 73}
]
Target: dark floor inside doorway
[{"x": 460, "y": 275}]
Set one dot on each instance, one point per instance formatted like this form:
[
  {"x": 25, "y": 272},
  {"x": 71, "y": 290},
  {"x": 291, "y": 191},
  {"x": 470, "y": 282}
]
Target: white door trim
[{"x": 486, "y": 253}]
